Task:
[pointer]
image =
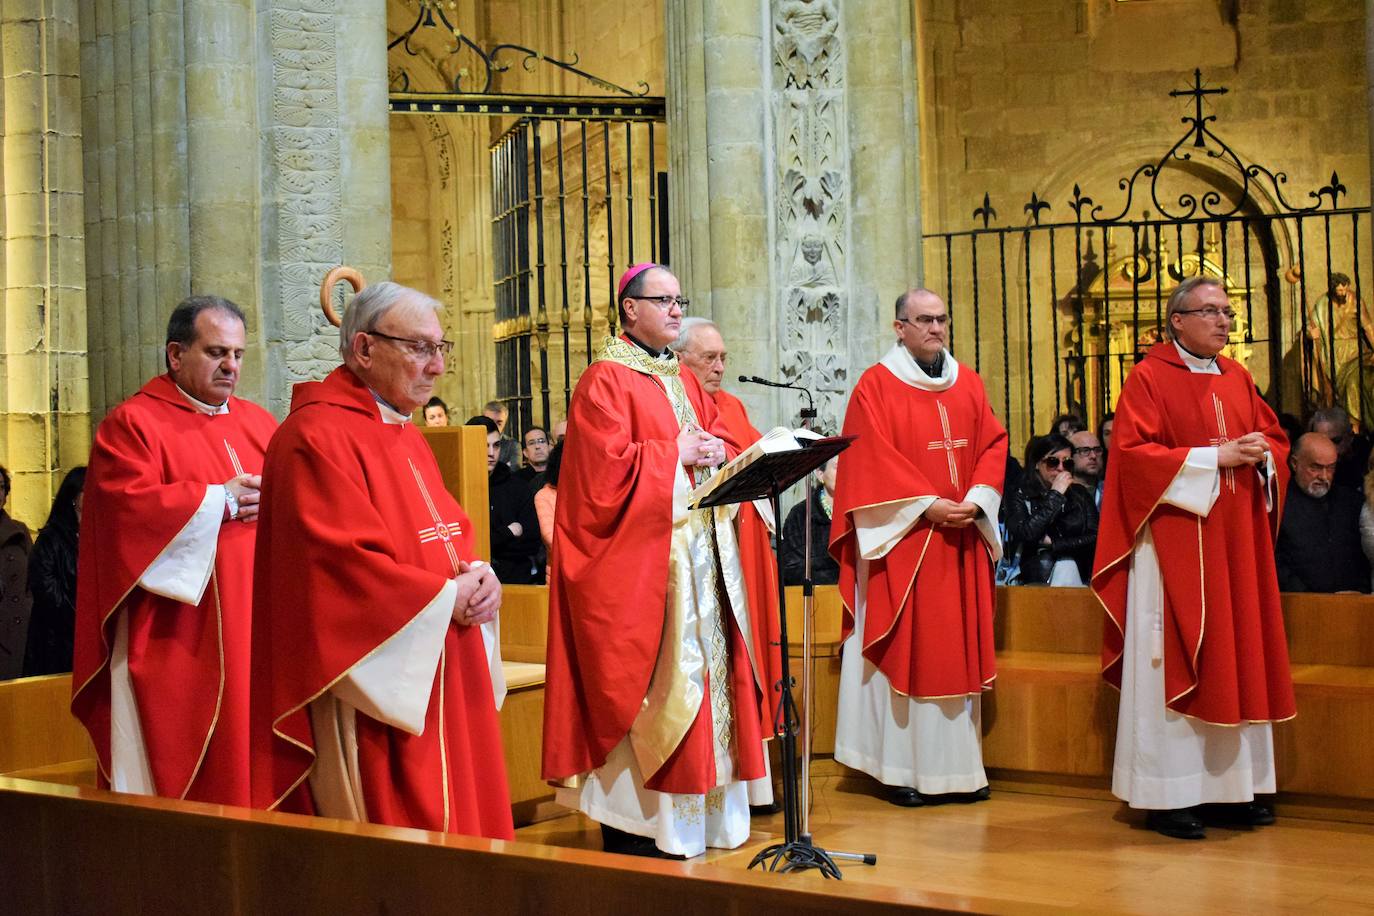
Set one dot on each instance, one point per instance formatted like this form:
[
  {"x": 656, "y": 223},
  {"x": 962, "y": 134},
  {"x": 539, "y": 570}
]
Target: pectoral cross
[
  {"x": 1221, "y": 439},
  {"x": 441, "y": 530},
  {"x": 949, "y": 444}
]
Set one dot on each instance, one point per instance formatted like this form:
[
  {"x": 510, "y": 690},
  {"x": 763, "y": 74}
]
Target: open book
[{"x": 778, "y": 439}]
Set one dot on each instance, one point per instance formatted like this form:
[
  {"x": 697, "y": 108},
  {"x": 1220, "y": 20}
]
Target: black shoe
[
  {"x": 765, "y": 810},
  {"x": 630, "y": 844},
  {"x": 982, "y": 794},
  {"x": 1239, "y": 814},
  {"x": 1180, "y": 823},
  {"x": 906, "y": 798}
]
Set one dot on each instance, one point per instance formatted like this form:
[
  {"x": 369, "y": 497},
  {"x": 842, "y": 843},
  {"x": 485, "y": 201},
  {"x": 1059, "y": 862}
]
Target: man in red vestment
[
  {"x": 701, "y": 349},
  {"x": 1185, "y": 569},
  {"x": 375, "y": 685},
  {"x": 651, "y": 719},
  {"x": 915, "y": 534},
  {"x": 164, "y": 576}
]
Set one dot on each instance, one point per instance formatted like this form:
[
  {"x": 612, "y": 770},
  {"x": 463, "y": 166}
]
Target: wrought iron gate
[
  {"x": 577, "y": 194},
  {"x": 1070, "y": 306},
  {"x": 568, "y": 188}
]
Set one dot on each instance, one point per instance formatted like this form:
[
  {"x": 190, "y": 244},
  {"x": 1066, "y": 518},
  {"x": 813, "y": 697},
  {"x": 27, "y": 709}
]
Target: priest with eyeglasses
[
  {"x": 375, "y": 687},
  {"x": 915, "y": 534},
  {"x": 1194, "y": 635}
]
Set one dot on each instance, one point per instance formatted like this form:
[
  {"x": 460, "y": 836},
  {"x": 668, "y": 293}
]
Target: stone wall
[{"x": 1043, "y": 94}]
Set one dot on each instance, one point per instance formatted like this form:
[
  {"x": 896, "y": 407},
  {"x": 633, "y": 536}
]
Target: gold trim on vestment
[
  {"x": 305, "y": 773},
  {"x": 616, "y": 350},
  {"x": 219, "y": 697}
]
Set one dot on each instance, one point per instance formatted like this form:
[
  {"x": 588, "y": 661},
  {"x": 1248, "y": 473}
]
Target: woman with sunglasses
[{"x": 1051, "y": 518}]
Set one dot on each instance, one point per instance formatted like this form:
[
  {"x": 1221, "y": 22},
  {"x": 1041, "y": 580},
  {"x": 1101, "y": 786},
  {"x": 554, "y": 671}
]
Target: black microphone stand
[{"x": 798, "y": 851}]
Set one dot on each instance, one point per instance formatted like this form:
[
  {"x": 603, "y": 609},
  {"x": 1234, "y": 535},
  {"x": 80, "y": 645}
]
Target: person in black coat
[
  {"x": 515, "y": 541},
  {"x": 1319, "y": 548},
  {"x": 52, "y": 582},
  {"x": 1049, "y": 517},
  {"x": 15, "y": 545},
  {"x": 824, "y": 569}
]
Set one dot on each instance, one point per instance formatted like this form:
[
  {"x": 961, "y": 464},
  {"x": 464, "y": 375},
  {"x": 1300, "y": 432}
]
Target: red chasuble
[
  {"x": 609, "y": 577},
  {"x": 760, "y": 566},
  {"x": 930, "y": 600},
  {"x": 357, "y": 536},
  {"x": 1225, "y": 657},
  {"x": 152, "y": 459}
]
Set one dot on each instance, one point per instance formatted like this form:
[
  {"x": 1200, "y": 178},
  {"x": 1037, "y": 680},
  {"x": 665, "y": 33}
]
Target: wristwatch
[{"x": 232, "y": 503}]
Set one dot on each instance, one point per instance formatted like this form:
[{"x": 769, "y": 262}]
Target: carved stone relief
[
  {"x": 806, "y": 44},
  {"x": 306, "y": 159},
  {"x": 812, "y": 201}
]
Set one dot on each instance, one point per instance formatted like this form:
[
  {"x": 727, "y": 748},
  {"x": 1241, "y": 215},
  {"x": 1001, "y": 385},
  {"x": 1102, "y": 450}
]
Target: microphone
[{"x": 809, "y": 412}]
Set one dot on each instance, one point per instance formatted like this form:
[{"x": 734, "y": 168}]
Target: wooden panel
[
  {"x": 462, "y": 455},
  {"x": 1049, "y": 713},
  {"x": 1043, "y": 619},
  {"x": 36, "y": 725},
  {"x": 1330, "y": 629},
  {"x": 524, "y": 622},
  {"x": 522, "y": 729},
  {"x": 1322, "y": 629},
  {"x": 827, "y": 620},
  {"x": 87, "y": 851}
]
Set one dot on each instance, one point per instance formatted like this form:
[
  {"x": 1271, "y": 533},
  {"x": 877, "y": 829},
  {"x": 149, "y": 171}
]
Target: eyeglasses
[
  {"x": 924, "y": 322},
  {"x": 665, "y": 303},
  {"x": 420, "y": 349},
  {"x": 711, "y": 359},
  {"x": 1089, "y": 450},
  {"x": 1211, "y": 313},
  {"x": 1054, "y": 461},
  {"x": 529, "y": 443}
]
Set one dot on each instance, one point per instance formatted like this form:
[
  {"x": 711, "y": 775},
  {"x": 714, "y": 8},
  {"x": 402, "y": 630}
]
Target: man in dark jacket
[
  {"x": 1319, "y": 538},
  {"x": 824, "y": 569},
  {"x": 515, "y": 541}
]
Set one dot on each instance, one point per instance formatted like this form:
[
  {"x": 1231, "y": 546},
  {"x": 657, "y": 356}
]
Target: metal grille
[
  {"x": 1055, "y": 314},
  {"x": 574, "y": 202}
]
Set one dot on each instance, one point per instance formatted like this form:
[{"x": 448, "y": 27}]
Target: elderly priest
[
  {"x": 375, "y": 688},
  {"x": 1185, "y": 569}
]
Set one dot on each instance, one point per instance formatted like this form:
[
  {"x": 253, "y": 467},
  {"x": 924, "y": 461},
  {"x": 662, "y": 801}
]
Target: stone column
[
  {"x": 234, "y": 147},
  {"x": 44, "y": 408},
  {"x": 798, "y": 128}
]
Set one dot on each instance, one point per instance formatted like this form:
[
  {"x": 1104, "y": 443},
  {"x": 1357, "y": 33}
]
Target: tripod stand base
[{"x": 798, "y": 855}]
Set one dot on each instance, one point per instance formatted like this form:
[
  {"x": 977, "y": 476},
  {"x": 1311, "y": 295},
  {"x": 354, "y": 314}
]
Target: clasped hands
[
  {"x": 479, "y": 594},
  {"x": 698, "y": 448},
  {"x": 950, "y": 514},
  {"x": 247, "y": 492},
  {"x": 1251, "y": 448}
]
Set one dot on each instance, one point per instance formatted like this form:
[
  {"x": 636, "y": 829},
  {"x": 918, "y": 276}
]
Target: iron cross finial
[{"x": 1197, "y": 92}]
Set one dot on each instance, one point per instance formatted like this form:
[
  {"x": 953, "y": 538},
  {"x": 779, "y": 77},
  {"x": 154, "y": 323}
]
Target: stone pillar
[
  {"x": 234, "y": 147},
  {"x": 44, "y": 407},
  {"x": 799, "y": 127}
]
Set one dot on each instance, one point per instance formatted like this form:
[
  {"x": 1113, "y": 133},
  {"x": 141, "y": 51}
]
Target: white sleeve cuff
[
  {"x": 183, "y": 569},
  {"x": 990, "y": 501},
  {"x": 879, "y": 528},
  {"x": 394, "y": 683},
  {"x": 491, "y": 641},
  {"x": 1198, "y": 483},
  {"x": 1269, "y": 481}
]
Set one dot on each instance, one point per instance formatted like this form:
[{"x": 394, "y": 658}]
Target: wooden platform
[{"x": 1019, "y": 852}]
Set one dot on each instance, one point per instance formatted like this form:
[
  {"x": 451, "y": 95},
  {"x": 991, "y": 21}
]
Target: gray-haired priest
[{"x": 374, "y": 687}]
